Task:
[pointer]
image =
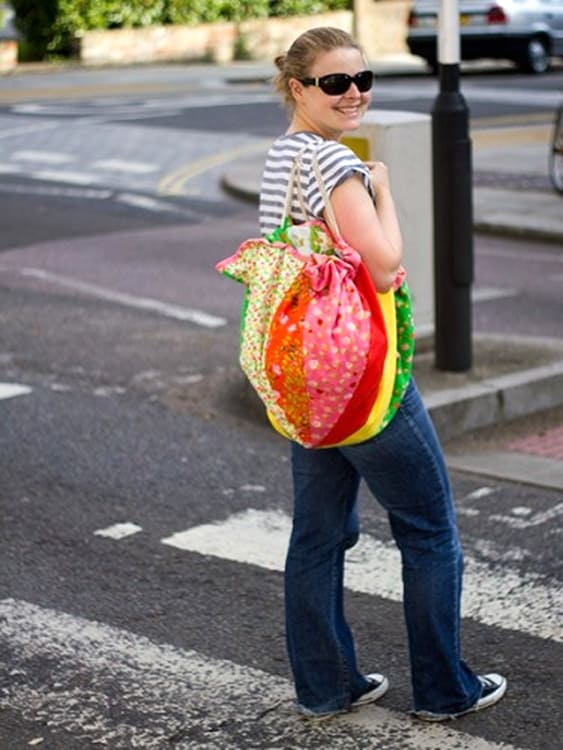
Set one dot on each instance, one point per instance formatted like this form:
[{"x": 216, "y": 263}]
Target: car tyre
[
  {"x": 433, "y": 65},
  {"x": 536, "y": 56}
]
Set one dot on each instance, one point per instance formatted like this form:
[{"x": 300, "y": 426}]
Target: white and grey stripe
[{"x": 336, "y": 162}]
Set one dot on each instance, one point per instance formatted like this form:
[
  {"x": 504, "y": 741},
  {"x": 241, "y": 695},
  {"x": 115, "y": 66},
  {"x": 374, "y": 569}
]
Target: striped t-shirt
[{"x": 336, "y": 162}]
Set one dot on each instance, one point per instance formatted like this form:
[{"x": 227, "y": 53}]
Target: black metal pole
[{"x": 453, "y": 224}]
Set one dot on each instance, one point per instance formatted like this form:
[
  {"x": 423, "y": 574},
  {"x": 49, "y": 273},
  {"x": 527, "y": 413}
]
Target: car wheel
[{"x": 536, "y": 56}]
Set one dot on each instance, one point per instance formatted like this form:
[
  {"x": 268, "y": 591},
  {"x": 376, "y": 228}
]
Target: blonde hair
[{"x": 297, "y": 61}]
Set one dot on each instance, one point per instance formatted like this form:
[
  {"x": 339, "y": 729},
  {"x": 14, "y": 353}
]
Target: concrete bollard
[{"x": 403, "y": 140}]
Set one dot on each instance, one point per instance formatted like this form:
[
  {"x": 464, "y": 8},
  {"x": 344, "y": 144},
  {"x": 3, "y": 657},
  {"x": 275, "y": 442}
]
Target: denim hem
[
  {"x": 444, "y": 715},
  {"x": 308, "y": 712}
]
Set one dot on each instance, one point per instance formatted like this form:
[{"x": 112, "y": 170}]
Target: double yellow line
[{"x": 173, "y": 184}]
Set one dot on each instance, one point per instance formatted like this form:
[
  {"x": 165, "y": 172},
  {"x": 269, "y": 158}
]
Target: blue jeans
[{"x": 404, "y": 468}]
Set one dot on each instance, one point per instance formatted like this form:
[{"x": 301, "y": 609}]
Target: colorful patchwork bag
[{"x": 329, "y": 356}]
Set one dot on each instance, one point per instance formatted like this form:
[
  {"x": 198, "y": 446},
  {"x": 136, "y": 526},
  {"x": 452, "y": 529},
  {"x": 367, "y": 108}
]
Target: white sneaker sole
[{"x": 482, "y": 703}]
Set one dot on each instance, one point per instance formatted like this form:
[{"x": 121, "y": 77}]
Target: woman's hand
[{"x": 379, "y": 176}]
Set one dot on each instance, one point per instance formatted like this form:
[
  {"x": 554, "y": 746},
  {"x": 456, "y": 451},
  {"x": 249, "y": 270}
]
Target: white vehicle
[{"x": 528, "y": 32}]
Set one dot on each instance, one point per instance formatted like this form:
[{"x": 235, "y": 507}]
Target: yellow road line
[
  {"x": 514, "y": 136},
  {"x": 173, "y": 183},
  {"x": 529, "y": 118}
]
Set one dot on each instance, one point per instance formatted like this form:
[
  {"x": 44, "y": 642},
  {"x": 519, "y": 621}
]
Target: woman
[{"x": 326, "y": 84}]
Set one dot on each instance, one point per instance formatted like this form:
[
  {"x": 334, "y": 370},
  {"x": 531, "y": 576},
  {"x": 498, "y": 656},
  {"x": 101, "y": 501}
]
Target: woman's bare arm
[{"x": 372, "y": 230}]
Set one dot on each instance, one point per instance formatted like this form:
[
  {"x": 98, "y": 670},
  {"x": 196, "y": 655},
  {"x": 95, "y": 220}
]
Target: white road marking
[
  {"x": 10, "y": 169},
  {"x": 28, "y": 108},
  {"x": 119, "y": 530},
  {"x": 503, "y": 597},
  {"x": 65, "y": 175},
  {"x": 468, "y": 512},
  {"x": 487, "y": 293},
  {"x": 123, "y": 690},
  {"x": 147, "y": 203},
  {"x": 479, "y": 493},
  {"x": 530, "y": 519},
  {"x": 11, "y": 390},
  {"x": 57, "y": 190},
  {"x": 120, "y": 165},
  {"x": 48, "y": 157},
  {"x": 129, "y": 300}
]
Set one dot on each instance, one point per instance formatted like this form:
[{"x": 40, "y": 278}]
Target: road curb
[
  {"x": 458, "y": 411},
  {"x": 496, "y": 400}
]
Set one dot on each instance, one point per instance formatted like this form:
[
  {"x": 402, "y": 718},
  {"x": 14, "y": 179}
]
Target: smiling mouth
[{"x": 349, "y": 110}]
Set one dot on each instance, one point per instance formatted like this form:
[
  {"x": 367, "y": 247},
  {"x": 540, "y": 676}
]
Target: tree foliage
[{"x": 50, "y": 26}]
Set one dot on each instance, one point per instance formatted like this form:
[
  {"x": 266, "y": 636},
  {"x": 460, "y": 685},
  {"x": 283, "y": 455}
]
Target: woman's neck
[{"x": 302, "y": 125}]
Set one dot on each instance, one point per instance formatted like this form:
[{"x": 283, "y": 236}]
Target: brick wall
[{"x": 380, "y": 28}]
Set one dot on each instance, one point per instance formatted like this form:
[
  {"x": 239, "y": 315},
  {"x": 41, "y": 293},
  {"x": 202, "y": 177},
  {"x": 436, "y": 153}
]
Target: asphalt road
[{"x": 144, "y": 503}]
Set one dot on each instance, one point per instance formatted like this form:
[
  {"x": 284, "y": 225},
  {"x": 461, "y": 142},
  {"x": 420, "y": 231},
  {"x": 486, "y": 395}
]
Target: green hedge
[
  {"x": 211, "y": 11},
  {"x": 49, "y": 27}
]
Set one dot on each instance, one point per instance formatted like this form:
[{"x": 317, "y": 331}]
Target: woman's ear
[{"x": 296, "y": 88}]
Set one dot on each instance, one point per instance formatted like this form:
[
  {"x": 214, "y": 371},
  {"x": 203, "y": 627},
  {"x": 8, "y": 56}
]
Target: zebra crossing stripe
[
  {"x": 119, "y": 530},
  {"x": 502, "y": 597},
  {"x": 11, "y": 390},
  {"x": 122, "y": 690}
]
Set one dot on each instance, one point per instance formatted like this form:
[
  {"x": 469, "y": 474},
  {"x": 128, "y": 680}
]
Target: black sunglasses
[{"x": 335, "y": 84}]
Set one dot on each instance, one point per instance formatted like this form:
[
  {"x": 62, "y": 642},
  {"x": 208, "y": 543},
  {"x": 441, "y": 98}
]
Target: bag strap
[{"x": 294, "y": 179}]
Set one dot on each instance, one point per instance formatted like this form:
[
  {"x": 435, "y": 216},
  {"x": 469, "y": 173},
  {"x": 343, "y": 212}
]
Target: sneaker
[
  {"x": 379, "y": 686},
  {"x": 494, "y": 687}
]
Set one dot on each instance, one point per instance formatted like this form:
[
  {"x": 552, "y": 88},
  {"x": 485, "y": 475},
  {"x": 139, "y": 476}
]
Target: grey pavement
[{"x": 512, "y": 377}]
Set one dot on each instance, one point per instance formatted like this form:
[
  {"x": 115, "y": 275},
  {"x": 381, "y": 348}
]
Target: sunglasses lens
[
  {"x": 339, "y": 83},
  {"x": 364, "y": 80},
  {"x": 335, "y": 84}
]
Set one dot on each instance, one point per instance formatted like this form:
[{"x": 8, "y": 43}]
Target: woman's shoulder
[
  {"x": 335, "y": 152},
  {"x": 295, "y": 142}
]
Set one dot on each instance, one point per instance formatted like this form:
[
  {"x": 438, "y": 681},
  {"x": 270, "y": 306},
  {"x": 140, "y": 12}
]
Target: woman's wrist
[{"x": 381, "y": 191}]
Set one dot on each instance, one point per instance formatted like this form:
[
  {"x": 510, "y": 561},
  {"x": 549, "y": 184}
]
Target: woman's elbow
[
  {"x": 384, "y": 278},
  {"x": 384, "y": 282}
]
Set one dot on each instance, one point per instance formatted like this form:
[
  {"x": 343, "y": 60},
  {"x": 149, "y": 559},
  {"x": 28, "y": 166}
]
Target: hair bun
[{"x": 279, "y": 61}]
